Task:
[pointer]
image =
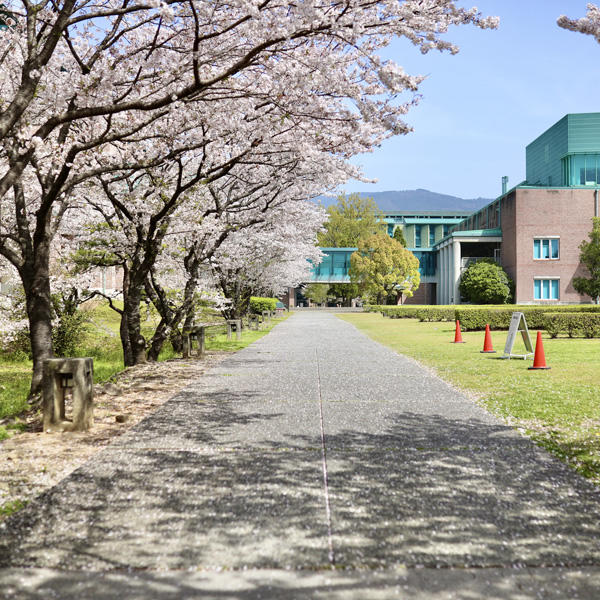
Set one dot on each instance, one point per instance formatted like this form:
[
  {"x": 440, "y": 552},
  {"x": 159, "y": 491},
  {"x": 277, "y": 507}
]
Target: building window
[
  {"x": 581, "y": 169},
  {"x": 546, "y": 249},
  {"x": 545, "y": 289},
  {"x": 417, "y": 236},
  {"x": 431, "y": 235},
  {"x": 445, "y": 230}
]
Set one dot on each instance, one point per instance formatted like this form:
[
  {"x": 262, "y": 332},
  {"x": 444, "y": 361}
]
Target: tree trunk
[
  {"x": 132, "y": 340},
  {"x": 158, "y": 339},
  {"x": 137, "y": 342},
  {"x": 36, "y": 284},
  {"x": 171, "y": 317}
]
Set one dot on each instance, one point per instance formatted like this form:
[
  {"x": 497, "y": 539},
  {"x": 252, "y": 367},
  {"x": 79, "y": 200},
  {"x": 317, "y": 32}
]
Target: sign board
[{"x": 517, "y": 323}]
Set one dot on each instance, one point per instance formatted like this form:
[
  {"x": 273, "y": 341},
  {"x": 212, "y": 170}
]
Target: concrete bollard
[
  {"x": 237, "y": 325},
  {"x": 253, "y": 322},
  {"x": 197, "y": 337},
  {"x": 201, "y": 339},
  {"x": 61, "y": 375},
  {"x": 266, "y": 316}
]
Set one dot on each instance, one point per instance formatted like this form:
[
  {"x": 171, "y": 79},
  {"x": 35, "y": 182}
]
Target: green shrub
[
  {"x": 554, "y": 324},
  {"x": 486, "y": 282},
  {"x": 580, "y": 323},
  {"x": 590, "y": 325},
  {"x": 435, "y": 314},
  {"x": 67, "y": 333},
  {"x": 258, "y": 304},
  {"x": 476, "y": 318},
  {"x": 399, "y": 312}
]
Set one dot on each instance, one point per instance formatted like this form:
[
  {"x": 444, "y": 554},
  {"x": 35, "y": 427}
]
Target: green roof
[
  {"x": 436, "y": 221},
  {"x": 477, "y": 233},
  {"x": 426, "y": 213}
]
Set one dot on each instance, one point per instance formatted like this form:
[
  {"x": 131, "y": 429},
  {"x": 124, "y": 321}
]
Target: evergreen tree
[
  {"x": 384, "y": 269},
  {"x": 351, "y": 220},
  {"x": 590, "y": 257},
  {"x": 399, "y": 236}
]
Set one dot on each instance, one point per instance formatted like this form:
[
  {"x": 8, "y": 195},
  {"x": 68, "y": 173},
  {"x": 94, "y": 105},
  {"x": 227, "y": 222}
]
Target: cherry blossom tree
[
  {"x": 189, "y": 224},
  {"x": 269, "y": 256},
  {"x": 78, "y": 78}
]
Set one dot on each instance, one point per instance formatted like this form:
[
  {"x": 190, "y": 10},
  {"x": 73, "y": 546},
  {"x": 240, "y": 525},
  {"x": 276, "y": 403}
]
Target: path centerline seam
[{"x": 324, "y": 465}]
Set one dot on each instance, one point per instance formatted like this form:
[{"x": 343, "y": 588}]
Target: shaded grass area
[
  {"x": 101, "y": 341},
  {"x": 11, "y": 507},
  {"x": 559, "y": 409}
]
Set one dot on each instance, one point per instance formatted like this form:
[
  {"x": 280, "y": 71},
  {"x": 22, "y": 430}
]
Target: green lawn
[
  {"x": 558, "y": 408},
  {"x": 101, "y": 341}
]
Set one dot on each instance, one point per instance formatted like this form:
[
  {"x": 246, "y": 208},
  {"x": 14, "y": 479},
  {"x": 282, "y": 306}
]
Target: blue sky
[{"x": 481, "y": 107}]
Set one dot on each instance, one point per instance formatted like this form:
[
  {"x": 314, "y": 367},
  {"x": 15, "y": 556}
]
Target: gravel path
[{"x": 313, "y": 464}]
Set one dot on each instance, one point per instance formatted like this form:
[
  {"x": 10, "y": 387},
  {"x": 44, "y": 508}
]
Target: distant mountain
[{"x": 419, "y": 200}]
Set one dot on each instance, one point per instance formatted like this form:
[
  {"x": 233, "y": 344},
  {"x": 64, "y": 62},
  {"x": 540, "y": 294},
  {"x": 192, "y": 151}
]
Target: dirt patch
[{"x": 31, "y": 462}]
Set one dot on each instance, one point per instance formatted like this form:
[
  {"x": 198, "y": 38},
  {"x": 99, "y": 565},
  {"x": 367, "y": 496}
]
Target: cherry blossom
[{"x": 590, "y": 24}]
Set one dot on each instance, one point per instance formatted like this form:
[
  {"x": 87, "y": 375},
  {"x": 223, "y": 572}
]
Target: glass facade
[
  {"x": 334, "y": 266},
  {"x": 431, "y": 235},
  {"x": 546, "y": 249},
  {"x": 581, "y": 169},
  {"x": 417, "y": 236},
  {"x": 427, "y": 263},
  {"x": 545, "y": 289}
]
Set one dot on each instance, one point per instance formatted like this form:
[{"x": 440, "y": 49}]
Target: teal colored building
[{"x": 567, "y": 154}]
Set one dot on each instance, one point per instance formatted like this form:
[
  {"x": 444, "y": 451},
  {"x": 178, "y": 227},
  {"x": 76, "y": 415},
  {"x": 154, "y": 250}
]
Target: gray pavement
[{"x": 313, "y": 464}]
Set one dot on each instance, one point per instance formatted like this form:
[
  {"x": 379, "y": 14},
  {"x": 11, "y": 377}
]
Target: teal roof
[
  {"x": 425, "y": 213},
  {"x": 477, "y": 233},
  {"x": 441, "y": 221}
]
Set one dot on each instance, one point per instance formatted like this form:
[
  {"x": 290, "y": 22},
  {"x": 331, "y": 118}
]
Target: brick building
[{"x": 533, "y": 230}]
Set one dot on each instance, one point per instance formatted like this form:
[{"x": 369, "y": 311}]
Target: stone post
[
  {"x": 201, "y": 333},
  {"x": 237, "y": 323},
  {"x": 61, "y": 374}
]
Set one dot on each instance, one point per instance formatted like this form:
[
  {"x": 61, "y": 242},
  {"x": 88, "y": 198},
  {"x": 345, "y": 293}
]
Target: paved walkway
[{"x": 313, "y": 464}]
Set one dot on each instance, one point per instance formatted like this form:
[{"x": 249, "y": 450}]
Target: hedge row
[
  {"x": 257, "y": 304},
  {"x": 577, "y": 320},
  {"x": 442, "y": 313},
  {"x": 476, "y": 320},
  {"x": 573, "y": 324}
]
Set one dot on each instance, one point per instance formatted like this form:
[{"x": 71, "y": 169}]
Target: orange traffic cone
[
  {"x": 457, "y": 334},
  {"x": 539, "y": 359},
  {"x": 487, "y": 341}
]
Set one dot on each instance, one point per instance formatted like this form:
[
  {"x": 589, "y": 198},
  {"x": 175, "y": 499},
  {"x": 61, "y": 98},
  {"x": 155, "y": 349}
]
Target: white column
[
  {"x": 447, "y": 274},
  {"x": 440, "y": 269},
  {"x": 456, "y": 271},
  {"x": 443, "y": 275}
]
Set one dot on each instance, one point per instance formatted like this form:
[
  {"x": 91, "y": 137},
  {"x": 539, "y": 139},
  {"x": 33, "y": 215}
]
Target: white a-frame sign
[{"x": 518, "y": 323}]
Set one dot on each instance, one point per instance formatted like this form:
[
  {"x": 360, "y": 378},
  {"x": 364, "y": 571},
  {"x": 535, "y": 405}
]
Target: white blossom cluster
[{"x": 590, "y": 24}]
